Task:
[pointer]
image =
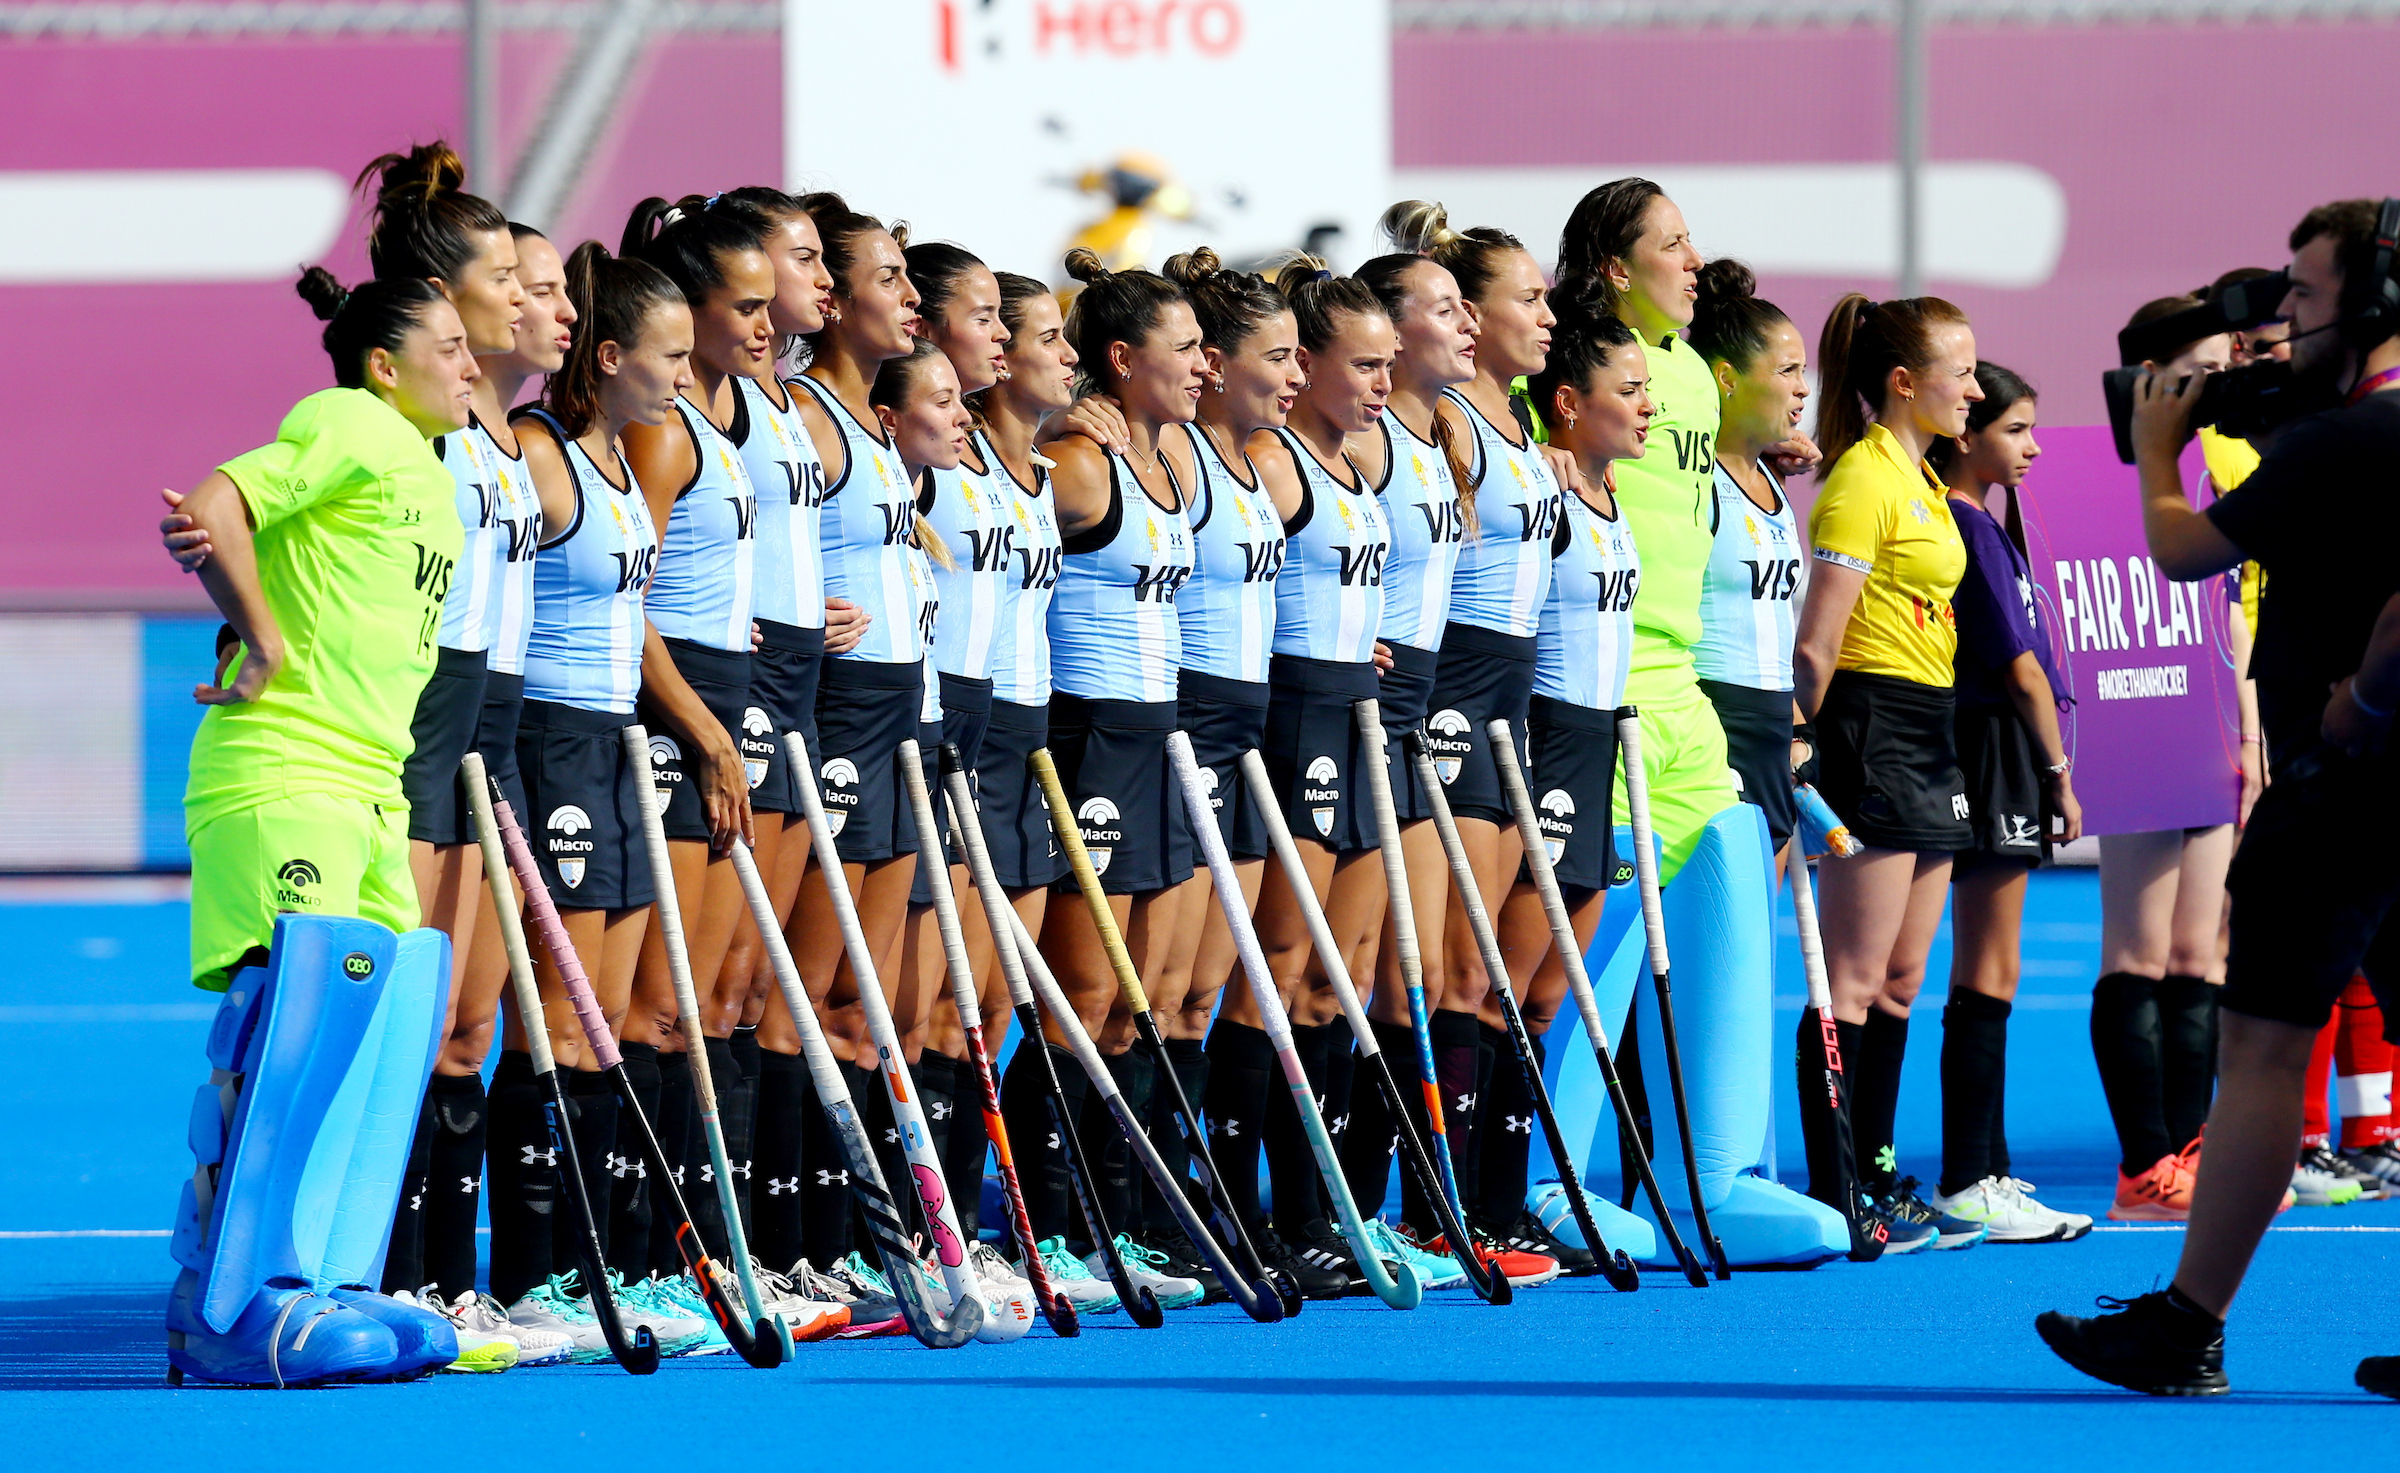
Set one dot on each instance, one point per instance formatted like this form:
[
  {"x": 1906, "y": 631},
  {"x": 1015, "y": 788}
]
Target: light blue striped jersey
[
  {"x": 1114, "y": 634},
  {"x": 968, "y": 509},
  {"x": 1585, "y": 645},
  {"x": 491, "y": 591},
  {"x": 1504, "y": 574},
  {"x": 1420, "y": 505},
  {"x": 1329, "y": 596},
  {"x": 1746, "y": 612},
  {"x": 585, "y": 647},
  {"x": 789, "y": 481},
  {"x": 701, "y": 591},
  {"x": 870, "y": 517},
  {"x": 925, "y": 596},
  {"x": 1227, "y": 610},
  {"x": 1021, "y": 645}
]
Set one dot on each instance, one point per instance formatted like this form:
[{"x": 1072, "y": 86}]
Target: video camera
[{"x": 2241, "y": 403}]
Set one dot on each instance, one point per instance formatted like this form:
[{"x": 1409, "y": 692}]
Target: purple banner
[{"x": 2155, "y": 729}]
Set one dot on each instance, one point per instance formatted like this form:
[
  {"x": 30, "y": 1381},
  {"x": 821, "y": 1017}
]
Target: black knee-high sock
[
  {"x": 2127, "y": 1045},
  {"x": 592, "y": 1120},
  {"x": 404, "y": 1259},
  {"x": 1476, "y": 1124},
  {"x": 1457, "y": 1069},
  {"x": 781, "y": 1161},
  {"x": 1189, "y": 1059},
  {"x": 697, "y": 1164},
  {"x": 1241, "y": 1066},
  {"x": 454, "y": 1181},
  {"x": 1341, "y": 1078},
  {"x": 1882, "y": 1049},
  {"x": 1368, "y": 1144},
  {"x": 824, "y": 1183},
  {"x": 1997, "y": 1151},
  {"x": 1974, "y": 1063},
  {"x": 936, "y": 1077},
  {"x": 1291, "y": 1163},
  {"x": 2187, "y": 1030},
  {"x": 1825, "y": 1125},
  {"x": 738, "y": 1106},
  {"x": 1112, "y": 1156},
  {"x": 1505, "y": 1164},
  {"x": 968, "y": 1145},
  {"x": 1034, "y": 1137},
  {"x": 645, "y": 1236},
  {"x": 524, "y": 1174}
]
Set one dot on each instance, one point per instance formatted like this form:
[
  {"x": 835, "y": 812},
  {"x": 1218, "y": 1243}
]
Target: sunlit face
[
  {"x": 1662, "y": 272},
  {"x": 642, "y": 380},
  {"x": 487, "y": 295},
  {"x": 876, "y": 302},
  {"x": 431, "y": 378},
  {"x": 1436, "y": 328},
  {"x": 803, "y": 287},
  {"x": 1041, "y": 362},
  {"x": 1608, "y": 418},
  {"x": 1160, "y": 377},
  {"x": 1762, "y": 402},
  {"x": 2213, "y": 354},
  {"x": 542, "y": 336},
  {"x": 733, "y": 331},
  {"x": 968, "y": 329},
  {"x": 1258, "y": 381},
  {"x": 1351, "y": 376},
  {"x": 929, "y": 424},
  {"x": 2001, "y": 452},
  {"x": 1513, "y": 320},
  {"x": 1939, "y": 394}
]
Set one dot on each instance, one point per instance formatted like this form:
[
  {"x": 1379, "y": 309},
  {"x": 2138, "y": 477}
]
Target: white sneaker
[
  {"x": 2314, "y": 1188},
  {"x": 808, "y": 1319},
  {"x": 2005, "y": 1206},
  {"x": 989, "y": 1264},
  {"x": 1142, "y": 1267},
  {"x": 481, "y": 1314},
  {"x": 480, "y": 1352},
  {"x": 1089, "y": 1293},
  {"x": 554, "y": 1306}
]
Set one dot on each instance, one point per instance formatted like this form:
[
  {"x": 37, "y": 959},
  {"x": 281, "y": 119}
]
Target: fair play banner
[
  {"x": 984, "y": 121},
  {"x": 2155, "y": 729}
]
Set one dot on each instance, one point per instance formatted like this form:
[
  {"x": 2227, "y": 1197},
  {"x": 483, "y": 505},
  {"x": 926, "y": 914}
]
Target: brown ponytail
[
  {"x": 423, "y": 222},
  {"x": 613, "y": 299},
  {"x": 1862, "y": 343}
]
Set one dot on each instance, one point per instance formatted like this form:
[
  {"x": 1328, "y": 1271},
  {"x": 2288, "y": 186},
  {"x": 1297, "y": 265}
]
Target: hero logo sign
[{"x": 963, "y": 29}]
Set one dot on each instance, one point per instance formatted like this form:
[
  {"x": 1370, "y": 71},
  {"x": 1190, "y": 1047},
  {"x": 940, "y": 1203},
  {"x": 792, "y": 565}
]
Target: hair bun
[
  {"x": 323, "y": 294},
  {"x": 1726, "y": 279},
  {"x": 1085, "y": 265},
  {"x": 425, "y": 171},
  {"x": 1190, "y": 268},
  {"x": 1301, "y": 270},
  {"x": 1418, "y": 227}
]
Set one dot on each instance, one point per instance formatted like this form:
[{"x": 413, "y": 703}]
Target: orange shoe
[
  {"x": 2161, "y": 1194},
  {"x": 819, "y": 1322},
  {"x": 1522, "y": 1270}
]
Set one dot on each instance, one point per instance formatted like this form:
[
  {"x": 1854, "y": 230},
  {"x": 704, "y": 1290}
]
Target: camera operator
[{"x": 2317, "y": 873}]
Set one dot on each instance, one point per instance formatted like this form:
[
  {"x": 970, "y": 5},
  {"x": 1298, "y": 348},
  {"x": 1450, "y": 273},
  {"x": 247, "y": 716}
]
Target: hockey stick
[
  {"x": 866, "y": 1176},
  {"x": 1053, "y": 1301},
  {"x": 1620, "y": 1269},
  {"x": 1260, "y": 1295},
  {"x": 636, "y": 1352},
  {"x": 753, "y": 1344},
  {"x": 1654, "y": 926},
  {"x": 1403, "y": 1289},
  {"x": 901, "y": 1264},
  {"x": 1495, "y": 970},
  {"x": 1010, "y": 943},
  {"x": 1441, "y": 1190},
  {"x": 669, "y": 919},
  {"x": 1867, "y": 1236}
]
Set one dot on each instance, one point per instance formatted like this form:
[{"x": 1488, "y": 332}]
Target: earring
[
  {"x": 1218, "y": 386},
  {"x": 1569, "y": 421}
]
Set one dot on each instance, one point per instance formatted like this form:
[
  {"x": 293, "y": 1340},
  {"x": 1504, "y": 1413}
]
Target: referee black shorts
[{"x": 2313, "y": 885}]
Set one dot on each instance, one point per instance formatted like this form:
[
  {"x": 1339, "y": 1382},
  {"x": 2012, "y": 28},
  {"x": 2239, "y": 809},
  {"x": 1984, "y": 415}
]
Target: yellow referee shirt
[{"x": 1884, "y": 514}]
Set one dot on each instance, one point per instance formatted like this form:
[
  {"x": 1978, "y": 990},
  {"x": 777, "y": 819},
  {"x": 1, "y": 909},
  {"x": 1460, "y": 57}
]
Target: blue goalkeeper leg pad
[{"x": 1720, "y": 919}]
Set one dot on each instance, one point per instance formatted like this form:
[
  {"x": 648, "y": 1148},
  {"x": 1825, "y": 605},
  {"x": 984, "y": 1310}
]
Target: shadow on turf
[
  {"x": 1592, "y": 1390},
  {"x": 107, "y": 1340}
]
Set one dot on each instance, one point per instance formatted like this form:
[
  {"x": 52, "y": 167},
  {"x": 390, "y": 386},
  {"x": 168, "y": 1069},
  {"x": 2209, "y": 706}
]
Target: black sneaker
[
  {"x": 2342, "y": 1168},
  {"x": 1317, "y": 1280},
  {"x": 1902, "y": 1204},
  {"x": 1184, "y": 1262},
  {"x": 1527, "y": 1235},
  {"x": 2380, "y": 1374},
  {"x": 2150, "y": 1344},
  {"x": 1328, "y": 1265}
]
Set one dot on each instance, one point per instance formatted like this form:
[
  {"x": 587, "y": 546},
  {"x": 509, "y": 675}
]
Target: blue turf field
[{"x": 1931, "y": 1357}]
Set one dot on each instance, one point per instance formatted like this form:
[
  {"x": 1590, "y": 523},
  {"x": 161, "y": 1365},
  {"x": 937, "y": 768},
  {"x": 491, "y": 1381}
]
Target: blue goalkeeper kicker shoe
[
  {"x": 423, "y": 1342},
  {"x": 285, "y": 1336}
]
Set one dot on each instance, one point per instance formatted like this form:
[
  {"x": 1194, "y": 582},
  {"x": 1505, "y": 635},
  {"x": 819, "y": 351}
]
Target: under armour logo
[
  {"x": 781, "y": 1186},
  {"x": 891, "y": 1135},
  {"x": 1225, "y": 1127},
  {"x": 1522, "y": 1124},
  {"x": 470, "y": 1184},
  {"x": 1337, "y": 1125},
  {"x": 416, "y": 1203},
  {"x": 832, "y": 1178},
  {"x": 738, "y": 1168},
  {"x": 539, "y": 1158},
  {"x": 622, "y": 1167},
  {"x": 939, "y": 1109},
  {"x": 677, "y": 1173},
  {"x": 1463, "y": 1104},
  {"x": 1052, "y": 1143}
]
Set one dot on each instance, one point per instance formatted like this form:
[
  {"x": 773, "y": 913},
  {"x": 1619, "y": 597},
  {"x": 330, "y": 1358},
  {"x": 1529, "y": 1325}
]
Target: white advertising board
[{"x": 980, "y": 121}]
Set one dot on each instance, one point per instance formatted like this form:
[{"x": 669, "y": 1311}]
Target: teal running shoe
[
  {"x": 678, "y": 1333},
  {"x": 680, "y": 1295},
  {"x": 1089, "y": 1293},
  {"x": 1146, "y": 1267},
  {"x": 554, "y": 1306},
  {"x": 1436, "y": 1273}
]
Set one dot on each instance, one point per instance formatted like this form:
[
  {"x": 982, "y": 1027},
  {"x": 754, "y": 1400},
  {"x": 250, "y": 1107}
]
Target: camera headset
[{"x": 2371, "y": 299}]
